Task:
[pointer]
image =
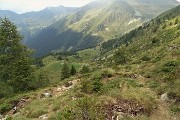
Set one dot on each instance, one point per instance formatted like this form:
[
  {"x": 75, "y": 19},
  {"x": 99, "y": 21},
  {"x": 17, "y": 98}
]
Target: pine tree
[
  {"x": 73, "y": 70},
  {"x": 65, "y": 72},
  {"x": 15, "y": 58}
]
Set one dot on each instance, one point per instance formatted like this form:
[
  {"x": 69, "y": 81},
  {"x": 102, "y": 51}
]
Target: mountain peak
[{"x": 96, "y": 22}]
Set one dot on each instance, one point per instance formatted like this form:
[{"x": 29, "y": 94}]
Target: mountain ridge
[
  {"x": 103, "y": 19},
  {"x": 31, "y": 22},
  {"x": 136, "y": 80}
]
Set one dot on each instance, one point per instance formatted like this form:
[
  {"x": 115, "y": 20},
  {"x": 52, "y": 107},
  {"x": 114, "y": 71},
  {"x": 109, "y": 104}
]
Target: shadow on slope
[{"x": 50, "y": 39}]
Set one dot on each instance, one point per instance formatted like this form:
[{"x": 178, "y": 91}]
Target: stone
[
  {"x": 164, "y": 97},
  {"x": 59, "y": 89},
  {"x": 46, "y": 95},
  {"x": 43, "y": 117}
]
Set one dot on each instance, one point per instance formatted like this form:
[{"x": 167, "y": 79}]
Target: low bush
[
  {"x": 5, "y": 90},
  {"x": 65, "y": 115},
  {"x": 121, "y": 57},
  {"x": 97, "y": 85},
  {"x": 107, "y": 74},
  {"x": 145, "y": 58},
  {"x": 178, "y": 27},
  {"x": 85, "y": 69},
  {"x": 172, "y": 95},
  {"x": 5, "y": 107},
  {"x": 169, "y": 66},
  {"x": 86, "y": 86},
  {"x": 155, "y": 41},
  {"x": 175, "y": 108}
]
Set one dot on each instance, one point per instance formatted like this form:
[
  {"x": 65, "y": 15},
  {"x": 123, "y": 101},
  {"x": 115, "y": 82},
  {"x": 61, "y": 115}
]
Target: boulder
[
  {"x": 46, "y": 95},
  {"x": 164, "y": 97}
]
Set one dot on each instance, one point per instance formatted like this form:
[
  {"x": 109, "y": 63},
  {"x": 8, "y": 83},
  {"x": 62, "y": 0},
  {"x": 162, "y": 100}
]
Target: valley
[
  {"x": 86, "y": 26},
  {"x": 109, "y": 60}
]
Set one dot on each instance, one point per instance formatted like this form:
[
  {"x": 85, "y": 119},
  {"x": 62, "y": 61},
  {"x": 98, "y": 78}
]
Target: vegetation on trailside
[{"x": 124, "y": 77}]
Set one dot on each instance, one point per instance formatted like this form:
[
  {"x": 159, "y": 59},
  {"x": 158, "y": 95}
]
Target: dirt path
[{"x": 56, "y": 92}]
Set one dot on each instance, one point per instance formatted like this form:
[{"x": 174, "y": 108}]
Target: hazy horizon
[{"x": 23, "y": 6}]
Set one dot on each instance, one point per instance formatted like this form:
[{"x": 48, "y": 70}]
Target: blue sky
[{"x": 21, "y": 6}]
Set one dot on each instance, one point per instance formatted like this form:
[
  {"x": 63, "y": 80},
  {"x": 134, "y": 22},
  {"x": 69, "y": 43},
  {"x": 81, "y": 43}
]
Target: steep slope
[
  {"x": 126, "y": 82},
  {"x": 32, "y": 22},
  {"x": 98, "y": 21},
  {"x": 152, "y": 6},
  {"x": 46, "y": 16},
  {"x": 151, "y": 51}
]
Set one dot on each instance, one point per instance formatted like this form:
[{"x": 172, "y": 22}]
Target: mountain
[
  {"x": 46, "y": 16},
  {"x": 8, "y": 14},
  {"x": 153, "y": 25},
  {"x": 133, "y": 77},
  {"x": 96, "y": 22},
  {"x": 31, "y": 22}
]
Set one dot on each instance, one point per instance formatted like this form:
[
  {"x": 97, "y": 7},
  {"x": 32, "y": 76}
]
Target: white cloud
[{"x": 21, "y": 6}]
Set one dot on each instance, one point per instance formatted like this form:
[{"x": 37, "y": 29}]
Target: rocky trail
[
  {"x": 57, "y": 91},
  {"x": 54, "y": 93},
  {"x": 114, "y": 111}
]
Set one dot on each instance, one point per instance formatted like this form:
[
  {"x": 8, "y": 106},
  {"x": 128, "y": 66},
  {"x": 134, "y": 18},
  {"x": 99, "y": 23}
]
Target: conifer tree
[
  {"x": 65, "y": 72},
  {"x": 15, "y": 58},
  {"x": 73, "y": 70}
]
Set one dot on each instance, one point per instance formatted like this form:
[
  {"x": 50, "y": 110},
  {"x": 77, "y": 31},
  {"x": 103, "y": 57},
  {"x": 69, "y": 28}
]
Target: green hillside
[
  {"x": 136, "y": 78},
  {"x": 153, "y": 52},
  {"x": 95, "y": 23}
]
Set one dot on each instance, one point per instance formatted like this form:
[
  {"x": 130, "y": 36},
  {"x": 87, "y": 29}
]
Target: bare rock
[
  {"x": 59, "y": 89},
  {"x": 164, "y": 97},
  {"x": 43, "y": 117},
  {"x": 46, "y": 95}
]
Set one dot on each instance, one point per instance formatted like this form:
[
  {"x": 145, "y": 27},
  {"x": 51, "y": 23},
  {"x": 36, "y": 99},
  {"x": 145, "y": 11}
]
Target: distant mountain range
[
  {"x": 78, "y": 28},
  {"x": 31, "y": 22}
]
